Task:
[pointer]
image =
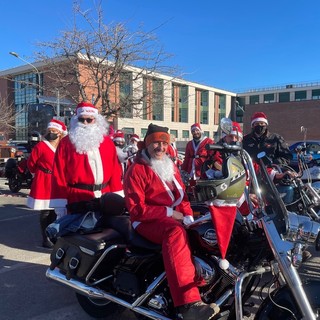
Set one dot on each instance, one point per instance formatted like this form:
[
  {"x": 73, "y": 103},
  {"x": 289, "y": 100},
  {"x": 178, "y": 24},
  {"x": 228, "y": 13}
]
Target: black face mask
[
  {"x": 51, "y": 136},
  {"x": 259, "y": 130}
]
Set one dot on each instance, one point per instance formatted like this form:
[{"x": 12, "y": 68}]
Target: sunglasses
[{"x": 83, "y": 120}]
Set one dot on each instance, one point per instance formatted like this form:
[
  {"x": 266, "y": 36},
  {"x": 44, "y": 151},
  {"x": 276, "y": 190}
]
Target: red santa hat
[
  {"x": 59, "y": 125},
  {"x": 196, "y": 126},
  {"x": 154, "y": 134},
  {"x": 86, "y": 109},
  {"x": 259, "y": 117},
  {"x": 118, "y": 136},
  {"x": 135, "y": 137},
  {"x": 236, "y": 129}
]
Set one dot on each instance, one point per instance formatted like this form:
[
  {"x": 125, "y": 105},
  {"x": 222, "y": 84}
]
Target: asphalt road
[{"x": 25, "y": 293}]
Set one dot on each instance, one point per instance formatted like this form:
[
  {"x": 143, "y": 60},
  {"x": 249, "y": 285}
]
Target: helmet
[
  {"x": 19, "y": 154},
  {"x": 229, "y": 188}
]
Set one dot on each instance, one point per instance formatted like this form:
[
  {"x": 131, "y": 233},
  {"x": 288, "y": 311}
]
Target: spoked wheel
[
  {"x": 14, "y": 184},
  {"x": 99, "y": 308}
]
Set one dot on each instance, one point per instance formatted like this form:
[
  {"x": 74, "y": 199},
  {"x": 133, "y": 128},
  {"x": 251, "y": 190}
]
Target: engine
[{"x": 205, "y": 273}]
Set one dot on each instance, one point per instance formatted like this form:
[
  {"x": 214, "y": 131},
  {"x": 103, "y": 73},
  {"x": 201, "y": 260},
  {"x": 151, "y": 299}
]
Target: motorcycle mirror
[{"x": 226, "y": 125}]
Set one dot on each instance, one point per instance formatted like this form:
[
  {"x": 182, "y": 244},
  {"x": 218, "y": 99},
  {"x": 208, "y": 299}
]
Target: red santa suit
[
  {"x": 196, "y": 155},
  {"x": 151, "y": 201},
  {"x": 40, "y": 163},
  {"x": 82, "y": 177}
]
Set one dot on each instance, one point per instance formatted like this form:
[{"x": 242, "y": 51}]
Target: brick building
[
  {"x": 288, "y": 108},
  {"x": 179, "y": 104}
]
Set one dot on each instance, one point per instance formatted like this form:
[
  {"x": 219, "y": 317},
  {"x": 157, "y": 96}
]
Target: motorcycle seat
[{"x": 138, "y": 242}]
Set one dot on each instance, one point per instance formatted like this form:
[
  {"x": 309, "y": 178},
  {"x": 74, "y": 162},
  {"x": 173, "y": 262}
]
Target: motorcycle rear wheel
[
  {"x": 14, "y": 184},
  {"x": 99, "y": 308}
]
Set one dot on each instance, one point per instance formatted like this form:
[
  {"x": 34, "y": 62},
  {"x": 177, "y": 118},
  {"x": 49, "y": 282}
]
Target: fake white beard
[
  {"x": 164, "y": 168},
  {"x": 87, "y": 137}
]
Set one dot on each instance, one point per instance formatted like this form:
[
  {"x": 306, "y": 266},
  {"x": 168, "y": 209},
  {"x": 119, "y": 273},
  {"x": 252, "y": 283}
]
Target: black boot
[{"x": 46, "y": 217}]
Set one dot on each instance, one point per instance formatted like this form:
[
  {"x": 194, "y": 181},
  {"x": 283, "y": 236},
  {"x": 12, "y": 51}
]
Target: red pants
[{"x": 177, "y": 258}]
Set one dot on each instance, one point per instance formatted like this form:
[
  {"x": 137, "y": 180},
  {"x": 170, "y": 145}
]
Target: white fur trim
[
  {"x": 169, "y": 212},
  {"x": 259, "y": 120},
  {"x": 87, "y": 111},
  {"x": 54, "y": 125}
]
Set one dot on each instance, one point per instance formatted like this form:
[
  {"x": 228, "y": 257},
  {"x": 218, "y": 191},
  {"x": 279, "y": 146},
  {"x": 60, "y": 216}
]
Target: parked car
[{"x": 311, "y": 149}]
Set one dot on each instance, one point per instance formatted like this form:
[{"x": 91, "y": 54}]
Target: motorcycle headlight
[{"x": 301, "y": 228}]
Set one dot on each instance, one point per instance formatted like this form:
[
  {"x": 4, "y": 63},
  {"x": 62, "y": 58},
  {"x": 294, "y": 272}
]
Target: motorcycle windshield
[{"x": 275, "y": 207}]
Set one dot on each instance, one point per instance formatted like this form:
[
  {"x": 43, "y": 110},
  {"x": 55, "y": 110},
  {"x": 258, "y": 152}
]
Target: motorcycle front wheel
[
  {"x": 14, "y": 184},
  {"x": 99, "y": 308}
]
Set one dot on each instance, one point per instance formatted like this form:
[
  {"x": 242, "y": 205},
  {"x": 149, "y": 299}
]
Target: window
[
  {"x": 153, "y": 99},
  {"x": 206, "y": 133},
  {"x": 300, "y": 95},
  {"x": 316, "y": 94},
  {"x": 174, "y": 132},
  {"x": 254, "y": 99},
  {"x": 183, "y": 104},
  {"x": 126, "y": 95},
  {"x": 284, "y": 96},
  {"x": 185, "y": 134},
  {"x": 242, "y": 101},
  {"x": 143, "y": 133},
  {"x": 204, "y": 107},
  {"x": 269, "y": 97}
]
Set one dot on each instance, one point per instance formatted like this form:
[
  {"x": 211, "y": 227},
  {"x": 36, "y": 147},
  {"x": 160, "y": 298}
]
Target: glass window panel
[
  {"x": 254, "y": 99},
  {"x": 143, "y": 133},
  {"x": 174, "y": 132},
  {"x": 300, "y": 95},
  {"x": 284, "y": 96},
  {"x": 185, "y": 134},
  {"x": 316, "y": 94},
  {"x": 269, "y": 97}
]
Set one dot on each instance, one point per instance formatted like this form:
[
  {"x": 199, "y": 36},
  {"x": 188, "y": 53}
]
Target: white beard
[
  {"x": 87, "y": 137},
  {"x": 164, "y": 168}
]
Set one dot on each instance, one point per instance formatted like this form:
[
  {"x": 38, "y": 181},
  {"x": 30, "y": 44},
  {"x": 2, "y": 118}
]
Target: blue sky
[{"x": 231, "y": 44}]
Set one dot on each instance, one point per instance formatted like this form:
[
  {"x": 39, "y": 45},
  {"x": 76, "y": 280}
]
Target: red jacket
[
  {"x": 195, "y": 156},
  {"x": 146, "y": 196}
]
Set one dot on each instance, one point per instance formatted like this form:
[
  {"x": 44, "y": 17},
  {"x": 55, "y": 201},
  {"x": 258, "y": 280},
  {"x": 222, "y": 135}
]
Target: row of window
[
  {"x": 282, "y": 97},
  {"x": 185, "y": 133}
]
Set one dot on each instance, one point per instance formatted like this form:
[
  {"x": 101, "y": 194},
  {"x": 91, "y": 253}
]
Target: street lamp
[{"x": 33, "y": 66}]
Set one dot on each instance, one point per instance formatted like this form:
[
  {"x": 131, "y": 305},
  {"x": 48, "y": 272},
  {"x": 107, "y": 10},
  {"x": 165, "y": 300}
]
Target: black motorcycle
[
  {"x": 18, "y": 174},
  {"x": 116, "y": 269}
]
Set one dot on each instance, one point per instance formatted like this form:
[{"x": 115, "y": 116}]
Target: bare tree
[
  {"x": 7, "y": 119},
  {"x": 98, "y": 62}
]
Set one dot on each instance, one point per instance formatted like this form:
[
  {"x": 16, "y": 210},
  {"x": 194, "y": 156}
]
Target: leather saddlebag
[{"x": 76, "y": 254}]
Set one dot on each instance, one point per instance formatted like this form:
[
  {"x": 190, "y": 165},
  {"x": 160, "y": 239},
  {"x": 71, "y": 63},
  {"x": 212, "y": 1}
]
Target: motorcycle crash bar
[{"x": 97, "y": 293}]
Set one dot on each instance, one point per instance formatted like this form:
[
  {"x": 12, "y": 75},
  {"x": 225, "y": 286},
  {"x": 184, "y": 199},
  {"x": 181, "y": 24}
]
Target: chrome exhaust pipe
[{"x": 97, "y": 293}]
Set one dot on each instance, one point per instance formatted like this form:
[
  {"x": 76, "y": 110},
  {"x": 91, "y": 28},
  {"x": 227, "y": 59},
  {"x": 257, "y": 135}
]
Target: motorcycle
[
  {"x": 17, "y": 173},
  {"x": 299, "y": 193},
  {"x": 116, "y": 269}
]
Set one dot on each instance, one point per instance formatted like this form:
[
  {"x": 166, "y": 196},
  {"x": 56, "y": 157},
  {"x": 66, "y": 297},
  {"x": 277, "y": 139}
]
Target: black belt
[
  {"x": 89, "y": 187},
  {"x": 199, "y": 156},
  {"x": 45, "y": 170}
]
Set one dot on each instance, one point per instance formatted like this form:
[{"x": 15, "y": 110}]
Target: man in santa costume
[
  {"x": 40, "y": 164},
  {"x": 158, "y": 206},
  {"x": 86, "y": 164},
  {"x": 261, "y": 139},
  {"x": 196, "y": 154}
]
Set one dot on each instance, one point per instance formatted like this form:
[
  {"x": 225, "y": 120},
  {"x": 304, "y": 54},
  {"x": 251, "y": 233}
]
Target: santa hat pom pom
[{"x": 224, "y": 264}]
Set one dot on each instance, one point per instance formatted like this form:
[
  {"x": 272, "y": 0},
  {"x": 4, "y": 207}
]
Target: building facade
[
  {"x": 170, "y": 102},
  {"x": 292, "y": 110}
]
